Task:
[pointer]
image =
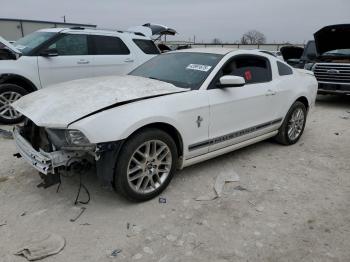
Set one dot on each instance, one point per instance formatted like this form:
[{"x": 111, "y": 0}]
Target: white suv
[{"x": 55, "y": 55}]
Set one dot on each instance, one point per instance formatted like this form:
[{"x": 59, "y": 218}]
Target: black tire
[
  {"x": 121, "y": 183},
  {"x": 282, "y": 136},
  {"x": 4, "y": 89}
]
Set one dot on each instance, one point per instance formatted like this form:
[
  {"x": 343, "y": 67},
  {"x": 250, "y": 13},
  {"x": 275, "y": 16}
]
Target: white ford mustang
[{"x": 175, "y": 110}]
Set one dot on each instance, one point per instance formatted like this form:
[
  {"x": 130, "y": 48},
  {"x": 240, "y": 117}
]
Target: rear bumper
[
  {"x": 44, "y": 162},
  {"x": 333, "y": 88}
]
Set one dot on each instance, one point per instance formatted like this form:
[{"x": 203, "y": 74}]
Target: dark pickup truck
[{"x": 332, "y": 65}]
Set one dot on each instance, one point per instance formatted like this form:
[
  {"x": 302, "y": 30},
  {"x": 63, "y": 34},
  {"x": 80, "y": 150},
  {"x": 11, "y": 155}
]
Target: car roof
[
  {"x": 222, "y": 51},
  {"x": 209, "y": 50},
  {"x": 93, "y": 31}
]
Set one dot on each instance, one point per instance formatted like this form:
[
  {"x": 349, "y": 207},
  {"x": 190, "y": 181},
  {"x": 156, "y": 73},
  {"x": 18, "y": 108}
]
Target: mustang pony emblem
[{"x": 199, "y": 121}]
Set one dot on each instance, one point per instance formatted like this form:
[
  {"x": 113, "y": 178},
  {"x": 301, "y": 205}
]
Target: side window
[
  {"x": 70, "y": 45},
  {"x": 147, "y": 46},
  {"x": 253, "y": 69},
  {"x": 283, "y": 69},
  {"x": 109, "y": 45}
]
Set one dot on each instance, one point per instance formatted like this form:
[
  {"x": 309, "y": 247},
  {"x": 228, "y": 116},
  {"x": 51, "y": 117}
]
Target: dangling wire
[
  {"x": 59, "y": 185},
  {"x": 81, "y": 185}
]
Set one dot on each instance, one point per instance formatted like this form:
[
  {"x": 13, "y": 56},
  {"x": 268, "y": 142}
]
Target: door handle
[
  {"x": 270, "y": 92},
  {"x": 83, "y": 62},
  {"x": 129, "y": 60}
]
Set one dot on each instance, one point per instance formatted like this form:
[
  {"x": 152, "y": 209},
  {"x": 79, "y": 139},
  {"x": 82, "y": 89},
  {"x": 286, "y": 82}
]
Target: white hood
[{"x": 59, "y": 105}]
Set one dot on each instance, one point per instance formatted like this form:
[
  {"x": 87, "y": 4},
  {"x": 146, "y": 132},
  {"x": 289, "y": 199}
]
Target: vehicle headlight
[
  {"x": 76, "y": 137},
  {"x": 309, "y": 66}
]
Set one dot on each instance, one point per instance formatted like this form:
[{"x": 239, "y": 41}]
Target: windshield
[
  {"x": 31, "y": 41},
  {"x": 338, "y": 52},
  {"x": 185, "y": 70}
]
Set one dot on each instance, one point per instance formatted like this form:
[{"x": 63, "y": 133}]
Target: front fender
[
  {"x": 180, "y": 111},
  {"x": 120, "y": 122},
  {"x": 25, "y": 67}
]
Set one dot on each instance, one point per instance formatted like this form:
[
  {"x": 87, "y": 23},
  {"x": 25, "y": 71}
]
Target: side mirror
[
  {"x": 49, "y": 52},
  {"x": 230, "y": 81}
]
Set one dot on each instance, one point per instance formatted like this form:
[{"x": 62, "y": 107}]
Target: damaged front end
[{"x": 51, "y": 151}]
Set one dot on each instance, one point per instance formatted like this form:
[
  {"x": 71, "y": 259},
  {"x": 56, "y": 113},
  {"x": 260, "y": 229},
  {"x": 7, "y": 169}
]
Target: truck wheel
[
  {"x": 146, "y": 165},
  {"x": 293, "y": 125},
  {"x": 10, "y": 93}
]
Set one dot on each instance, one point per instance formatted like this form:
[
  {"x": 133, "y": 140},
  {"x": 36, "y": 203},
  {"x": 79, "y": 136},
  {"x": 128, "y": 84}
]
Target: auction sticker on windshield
[{"x": 203, "y": 68}]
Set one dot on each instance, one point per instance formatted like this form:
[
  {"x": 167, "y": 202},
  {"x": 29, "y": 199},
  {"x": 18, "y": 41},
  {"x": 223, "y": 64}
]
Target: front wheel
[
  {"x": 293, "y": 125},
  {"x": 146, "y": 165},
  {"x": 10, "y": 93}
]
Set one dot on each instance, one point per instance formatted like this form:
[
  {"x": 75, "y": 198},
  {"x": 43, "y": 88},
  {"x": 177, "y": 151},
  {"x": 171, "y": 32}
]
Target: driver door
[
  {"x": 70, "y": 60},
  {"x": 241, "y": 113}
]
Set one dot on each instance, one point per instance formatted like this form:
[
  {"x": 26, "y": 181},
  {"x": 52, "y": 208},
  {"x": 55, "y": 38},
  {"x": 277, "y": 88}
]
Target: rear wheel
[
  {"x": 146, "y": 165},
  {"x": 293, "y": 124},
  {"x": 10, "y": 93}
]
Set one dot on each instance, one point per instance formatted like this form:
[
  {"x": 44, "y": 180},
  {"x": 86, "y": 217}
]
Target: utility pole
[{"x": 64, "y": 18}]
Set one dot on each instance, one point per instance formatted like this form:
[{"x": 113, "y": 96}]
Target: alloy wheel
[
  {"x": 6, "y": 110},
  {"x": 149, "y": 166},
  {"x": 296, "y": 124}
]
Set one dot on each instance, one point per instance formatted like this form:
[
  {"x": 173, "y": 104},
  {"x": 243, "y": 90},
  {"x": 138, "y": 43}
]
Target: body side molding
[{"x": 233, "y": 135}]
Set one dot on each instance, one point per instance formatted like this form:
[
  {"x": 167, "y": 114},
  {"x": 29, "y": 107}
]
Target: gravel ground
[{"x": 296, "y": 206}]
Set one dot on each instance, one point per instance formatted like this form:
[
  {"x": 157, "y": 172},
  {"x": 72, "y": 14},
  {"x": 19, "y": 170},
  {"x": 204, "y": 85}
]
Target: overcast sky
[{"x": 280, "y": 20}]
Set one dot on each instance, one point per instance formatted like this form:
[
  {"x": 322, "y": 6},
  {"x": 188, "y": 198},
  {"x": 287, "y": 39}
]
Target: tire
[
  {"x": 138, "y": 177},
  {"x": 10, "y": 93},
  {"x": 284, "y": 136}
]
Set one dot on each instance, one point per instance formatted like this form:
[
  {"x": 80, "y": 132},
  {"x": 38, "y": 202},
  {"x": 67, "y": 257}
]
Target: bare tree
[
  {"x": 253, "y": 37},
  {"x": 216, "y": 41}
]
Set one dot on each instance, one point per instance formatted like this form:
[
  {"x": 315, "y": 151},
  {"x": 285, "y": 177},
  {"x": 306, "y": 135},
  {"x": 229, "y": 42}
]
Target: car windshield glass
[
  {"x": 338, "y": 52},
  {"x": 185, "y": 70},
  {"x": 31, "y": 41}
]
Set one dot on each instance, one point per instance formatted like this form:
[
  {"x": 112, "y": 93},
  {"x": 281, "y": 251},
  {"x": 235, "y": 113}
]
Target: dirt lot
[{"x": 296, "y": 206}]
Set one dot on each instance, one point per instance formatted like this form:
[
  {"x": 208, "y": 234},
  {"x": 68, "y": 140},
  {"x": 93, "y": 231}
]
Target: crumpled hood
[
  {"x": 332, "y": 37},
  {"x": 59, "y": 105}
]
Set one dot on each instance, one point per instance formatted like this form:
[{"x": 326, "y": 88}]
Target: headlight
[
  {"x": 76, "y": 137},
  {"x": 309, "y": 66}
]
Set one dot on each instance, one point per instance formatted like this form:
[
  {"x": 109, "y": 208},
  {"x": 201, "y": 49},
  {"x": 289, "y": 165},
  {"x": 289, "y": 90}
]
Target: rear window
[
  {"x": 109, "y": 45},
  {"x": 147, "y": 46},
  {"x": 283, "y": 69}
]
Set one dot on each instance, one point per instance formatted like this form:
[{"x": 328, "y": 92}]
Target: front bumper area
[
  {"x": 333, "y": 88},
  {"x": 44, "y": 162}
]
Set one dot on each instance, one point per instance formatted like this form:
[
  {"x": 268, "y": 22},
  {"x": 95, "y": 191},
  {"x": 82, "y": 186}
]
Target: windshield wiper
[{"x": 154, "y": 78}]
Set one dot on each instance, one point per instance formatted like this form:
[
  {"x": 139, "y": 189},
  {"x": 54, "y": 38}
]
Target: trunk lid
[
  {"x": 291, "y": 52},
  {"x": 150, "y": 29}
]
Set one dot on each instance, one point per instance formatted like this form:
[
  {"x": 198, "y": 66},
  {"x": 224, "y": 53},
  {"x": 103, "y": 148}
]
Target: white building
[{"x": 13, "y": 29}]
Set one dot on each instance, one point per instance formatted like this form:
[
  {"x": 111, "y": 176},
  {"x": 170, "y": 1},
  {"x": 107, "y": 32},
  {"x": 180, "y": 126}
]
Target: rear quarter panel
[{"x": 300, "y": 84}]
